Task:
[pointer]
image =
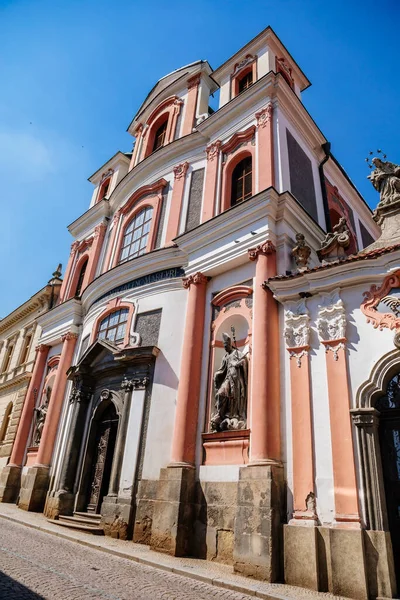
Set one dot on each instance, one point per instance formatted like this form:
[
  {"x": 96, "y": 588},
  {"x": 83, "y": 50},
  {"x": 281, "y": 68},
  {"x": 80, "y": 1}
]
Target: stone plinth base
[
  {"x": 301, "y": 556},
  {"x": 173, "y": 511},
  {"x": 226, "y": 447},
  {"x": 34, "y": 488},
  {"x": 59, "y": 503},
  {"x": 258, "y": 526},
  {"x": 10, "y": 483},
  {"x": 346, "y": 562},
  {"x": 145, "y": 501},
  {"x": 116, "y": 514}
]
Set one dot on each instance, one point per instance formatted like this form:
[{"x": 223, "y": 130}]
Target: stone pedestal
[
  {"x": 34, "y": 489},
  {"x": 380, "y": 564},
  {"x": 301, "y": 556},
  {"x": 116, "y": 515},
  {"x": 10, "y": 483},
  {"x": 349, "y": 576},
  {"x": 173, "y": 511},
  {"x": 59, "y": 503},
  {"x": 258, "y": 529}
]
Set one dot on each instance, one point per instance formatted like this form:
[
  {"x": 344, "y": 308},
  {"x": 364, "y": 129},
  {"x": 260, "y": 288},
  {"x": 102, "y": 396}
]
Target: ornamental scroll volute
[
  {"x": 229, "y": 359},
  {"x": 379, "y": 299}
]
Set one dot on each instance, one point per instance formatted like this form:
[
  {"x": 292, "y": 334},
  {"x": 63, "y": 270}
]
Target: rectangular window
[
  {"x": 26, "y": 349},
  {"x": 8, "y": 357}
]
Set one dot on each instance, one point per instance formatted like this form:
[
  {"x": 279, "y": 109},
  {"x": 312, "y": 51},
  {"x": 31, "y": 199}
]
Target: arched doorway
[
  {"x": 102, "y": 442},
  {"x": 389, "y": 441}
]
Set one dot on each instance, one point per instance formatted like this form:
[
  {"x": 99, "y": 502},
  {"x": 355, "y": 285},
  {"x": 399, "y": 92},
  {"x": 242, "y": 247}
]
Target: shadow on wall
[
  {"x": 9, "y": 588},
  {"x": 164, "y": 373}
]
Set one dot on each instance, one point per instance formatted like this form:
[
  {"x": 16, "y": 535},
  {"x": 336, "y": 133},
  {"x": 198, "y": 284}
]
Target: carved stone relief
[
  {"x": 331, "y": 322},
  {"x": 297, "y": 329}
]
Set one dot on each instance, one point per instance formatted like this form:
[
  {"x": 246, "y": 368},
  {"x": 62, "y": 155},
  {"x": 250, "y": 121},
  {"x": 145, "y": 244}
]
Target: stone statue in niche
[
  {"x": 230, "y": 385},
  {"x": 40, "y": 414}
]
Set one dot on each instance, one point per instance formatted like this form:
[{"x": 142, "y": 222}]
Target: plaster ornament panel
[
  {"x": 335, "y": 243},
  {"x": 180, "y": 170},
  {"x": 249, "y": 58},
  {"x": 213, "y": 150},
  {"x": 297, "y": 324},
  {"x": 331, "y": 322},
  {"x": 264, "y": 116},
  {"x": 378, "y": 299}
]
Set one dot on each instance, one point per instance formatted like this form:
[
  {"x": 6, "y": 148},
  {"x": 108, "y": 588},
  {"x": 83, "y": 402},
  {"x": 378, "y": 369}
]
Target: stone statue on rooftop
[
  {"x": 386, "y": 180},
  {"x": 301, "y": 252},
  {"x": 335, "y": 243}
]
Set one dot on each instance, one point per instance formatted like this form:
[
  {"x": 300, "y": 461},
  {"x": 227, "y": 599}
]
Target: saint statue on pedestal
[
  {"x": 40, "y": 414},
  {"x": 230, "y": 385}
]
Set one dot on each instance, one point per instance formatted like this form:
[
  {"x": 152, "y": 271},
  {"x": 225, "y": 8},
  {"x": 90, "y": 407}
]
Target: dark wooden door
[
  {"x": 102, "y": 459},
  {"x": 389, "y": 437}
]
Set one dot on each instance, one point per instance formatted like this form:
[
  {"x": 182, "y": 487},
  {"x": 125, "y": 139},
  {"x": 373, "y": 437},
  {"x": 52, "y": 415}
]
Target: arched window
[
  {"x": 242, "y": 181},
  {"x": 245, "y": 81},
  {"x": 113, "y": 326},
  {"x": 136, "y": 235},
  {"x": 159, "y": 136},
  {"x": 6, "y": 421},
  {"x": 81, "y": 277}
]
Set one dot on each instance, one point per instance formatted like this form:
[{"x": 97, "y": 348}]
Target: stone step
[
  {"x": 88, "y": 515},
  {"x": 78, "y": 526},
  {"x": 79, "y": 519}
]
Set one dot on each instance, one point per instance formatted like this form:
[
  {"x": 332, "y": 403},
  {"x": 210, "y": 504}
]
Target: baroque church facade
[{"x": 219, "y": 377}]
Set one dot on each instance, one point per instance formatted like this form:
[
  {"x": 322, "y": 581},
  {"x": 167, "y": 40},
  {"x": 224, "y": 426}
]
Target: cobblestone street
[{"x": 37, "y": 565}]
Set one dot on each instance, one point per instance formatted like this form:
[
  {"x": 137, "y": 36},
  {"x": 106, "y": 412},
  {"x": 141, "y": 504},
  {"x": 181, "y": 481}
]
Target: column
[
  {"x": 210, "y": 186},
  {"x": 136, "y": 149},
  {"x": 297, "y": 333},
  {"x": 79, "y": 399},
  {"x": 99, "y": 233},
  {"x": 56, "y": 400},
  {"x": 21, "y": 439},
  {"x": 265, "y": 148},
  {"x": 176, "y": 201},
  {"x": 127, "y": 387},
  {"x": 111, "y": 242},
  {"x": 187, "y": 405},
  {"x": 265, "y": 442},
  {"x": 331, "y": 326},
  {"x": 191, "y": 103},
  {"x": 68, "y": 270}
]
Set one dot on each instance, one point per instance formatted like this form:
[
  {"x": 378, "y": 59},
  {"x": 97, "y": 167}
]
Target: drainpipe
[{"x": 327, "y": 149}]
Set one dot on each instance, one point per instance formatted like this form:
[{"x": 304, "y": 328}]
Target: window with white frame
[
  {"x": 113, "y": 326},
  {"x": 136, "y": 235}
]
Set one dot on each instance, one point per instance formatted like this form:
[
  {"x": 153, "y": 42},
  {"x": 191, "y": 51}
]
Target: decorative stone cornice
[
  {"x": 266, "y": 248},
  {"x": 264, "y": 116},
  {"x": 181, "y": 170},
  {"x": 213, "y": 150},
  {"x": 297, "y": 329},
  {"x": 193, "y": 81},
  {"x": 196, "y": 279},
  {"x": 331, "y": 322}
]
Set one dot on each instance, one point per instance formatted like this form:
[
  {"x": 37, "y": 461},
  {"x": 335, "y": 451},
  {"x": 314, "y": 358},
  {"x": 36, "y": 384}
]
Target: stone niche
[{"x": 231, "y": 315}]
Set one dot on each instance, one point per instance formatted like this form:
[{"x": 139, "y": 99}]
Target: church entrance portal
[
  {"x": 103, "y": 447},
  {"x": 389, "y": 437}
]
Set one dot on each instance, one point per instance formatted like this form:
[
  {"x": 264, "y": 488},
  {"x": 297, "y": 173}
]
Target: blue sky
[{"x": 73, "y": 73}]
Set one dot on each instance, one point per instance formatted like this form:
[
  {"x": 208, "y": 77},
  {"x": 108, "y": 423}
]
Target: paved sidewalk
[{"x": 209, "y": 572}]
